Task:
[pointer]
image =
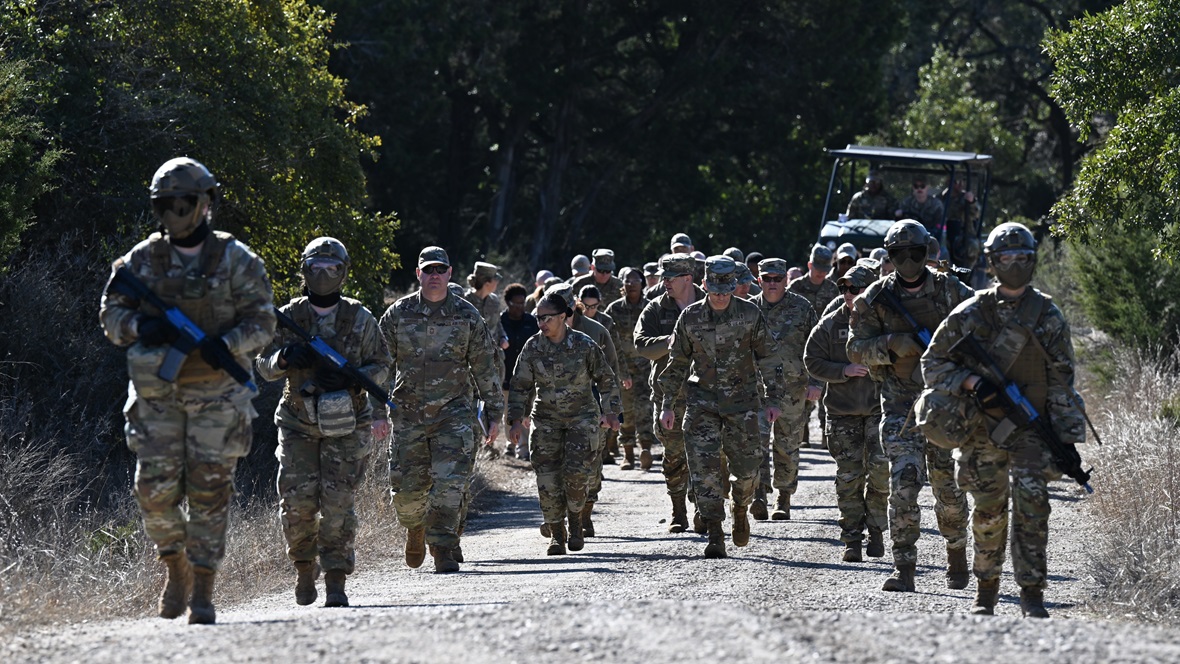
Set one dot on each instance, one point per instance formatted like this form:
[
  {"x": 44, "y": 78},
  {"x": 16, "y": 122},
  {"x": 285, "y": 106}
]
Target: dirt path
[{"x": 639, "y": 594}]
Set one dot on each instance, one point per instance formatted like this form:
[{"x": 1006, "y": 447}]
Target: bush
[{"x": 1136, "y": 529}]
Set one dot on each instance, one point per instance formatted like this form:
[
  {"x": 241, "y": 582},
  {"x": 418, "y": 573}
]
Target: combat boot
[
  {"x": 557, "y": 540},
  {"x": 545, "y": 532},
  {"x": 782, "y": 508},
  {"x": 608, "y": 459},
  {"x": 1032, "y": 603},
  {"x": 645, "y": 459},
  {"x": 698, "y": 522},
  {"x": 741, "y": 526},
  {"x": 852, "y": 552},
  {"x": 628, "y": 458},
  {"x": 587, "y": 524},
  {"x": 986, "y": 593},
  {"x": 876, "y": 547},
  {"x": 902, "y": 580},
  {"x": 305, "y": 592},
  {"x": 416, "y": 547},
  {"x": 178, "y": 586},
  {"x": 200, "y": 607},
  {"x": 576, "y": 540},
  {"x": 443, "y": 562},
  {"x": 334, "y": 588},
  {"x": 457, "y": 553},
  {"x": 679, "y": 522},
  {"x": 957, "y": 574},
  {"x": 758, "y": 507},
  {"x": 716, "y": 546}
]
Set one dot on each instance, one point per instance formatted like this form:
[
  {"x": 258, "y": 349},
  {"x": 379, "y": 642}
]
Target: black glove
[
  {"x": 211, "y": 347},
  {"x": 155, "y": 331},
  {"x": 988, "y": 395},
  {"x": 298, "y": 356},
  {"x": 332, "y": 379}
]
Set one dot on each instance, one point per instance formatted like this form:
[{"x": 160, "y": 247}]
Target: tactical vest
[
  {"x": 201, "y": 292},
  {"x": 1013, "y": 348},
  {"x": 926, "y": 311},
  {"x": 346, "y": 342}
]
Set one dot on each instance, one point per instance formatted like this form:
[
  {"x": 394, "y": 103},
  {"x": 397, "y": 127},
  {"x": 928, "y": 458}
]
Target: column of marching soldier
[{"x": 721, "y": 357}]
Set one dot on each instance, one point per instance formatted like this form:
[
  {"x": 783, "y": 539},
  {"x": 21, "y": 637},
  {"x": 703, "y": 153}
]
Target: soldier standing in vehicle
[
  {"x": 563, "y": 368},
  {"x": 923, "y": 207},
  {"x": 652, "y": 336},
  {"x": 1028, "y": 335},
  {"x": 853, "y": 404},
  {"x": 324, "y": 420},
  {"x": 719, "y": 355},
  {"x": 872, "y": 202},
  {"x": 882, "y": 338},
  {"x": 189, "y": 434},
  {"x": 789, "y": 317},
  {"x": 440, "y": 346}
]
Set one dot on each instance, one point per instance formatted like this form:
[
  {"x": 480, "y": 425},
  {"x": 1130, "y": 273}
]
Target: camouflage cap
[
  {"x": 847, "y": 250},
  {"x": 772, "y": 266},
  {"x": 880, "y": 254},
  {"x": 745, "y": 276},
  {"x": 604, "y": 259},
  {"x": 651, "y": 269},
  {"x": 721, "y": 275},
  {"x": 680, "y": 240},
  {"x": 676, "y": 265},
  {"x": 627, "y": 272},
  {"x": 858, "y": 276},
  {"x": 563, "y": 290},
  {"x": 871, "y": 263},
  {"x": 543, "y": 276},
  {"x": 552, "y": 281},
  {"x": 483, "y": 269},
  {"x": 821, "y": 257},
  {"x": 433, "y": 256},
  {"x": 580, "y": 264},
  {"x": 736, "y": 254}
]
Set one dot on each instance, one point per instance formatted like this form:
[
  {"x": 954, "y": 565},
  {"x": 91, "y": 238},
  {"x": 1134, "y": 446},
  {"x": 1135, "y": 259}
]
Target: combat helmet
[
  {"x": 324, "y": 265},
  {"x": 1011, "y": 252},
  {"x": 908, "y": 243},
  {"x": 181, "y": 191}
]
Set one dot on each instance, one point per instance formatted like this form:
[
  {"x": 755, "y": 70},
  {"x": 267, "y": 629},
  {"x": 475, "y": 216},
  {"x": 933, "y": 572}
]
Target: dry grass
[{"x": 1136, "y": 531}]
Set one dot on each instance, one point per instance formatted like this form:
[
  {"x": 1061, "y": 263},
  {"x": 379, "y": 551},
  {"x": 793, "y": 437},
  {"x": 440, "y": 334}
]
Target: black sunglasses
[
  {"x": 181, "y": 206},
  {"x": 435, "y": 269},
  {"x": 916, "y": 254},
  {"x": 773, "y": 280},
  {"x": 855, "y": 290}
]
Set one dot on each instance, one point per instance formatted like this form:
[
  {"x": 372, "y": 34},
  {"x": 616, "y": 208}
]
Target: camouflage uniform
[
  {"x": 609, "y": 290},
  {"x": 652, "y": 335},
  {"x": 189, "y": 435},
  {"x": 853, "y": 415},
  {"x": 603, "y": 338},
  {"x": 318, "y": 474},
  {"x": 637, "y": 407},
  {"x": 929, "y": 213},
  {"x": 1002, "y": 326},
  {"x": 438, "y": 350},
  {"x": 789, "y": 321},
  {"x": 563, "y": 443},
  {"x": 871, "y": 206},
  {"x": 820, "y": 297},
  {"x": 489, "y": 309},
  {"x": 911, "y": 457},
  {"x": 718, "y": 359}
]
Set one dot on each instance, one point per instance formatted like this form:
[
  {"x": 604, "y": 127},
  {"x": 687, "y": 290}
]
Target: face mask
[
  {"x": 909, "y": 262},
  {"x": 1014, "y": 270},
  {"x": 324, "y": 276},
  {"x": 179, "y": 215}
]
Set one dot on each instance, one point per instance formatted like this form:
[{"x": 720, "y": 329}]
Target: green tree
[
  {"x": 27, "y": 158},
  {"x": 1117, "y": 77},
  {"x": 242, "y": 86}
]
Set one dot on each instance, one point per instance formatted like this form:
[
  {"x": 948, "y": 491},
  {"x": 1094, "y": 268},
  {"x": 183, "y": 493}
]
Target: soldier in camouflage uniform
[
  {"x": 720, "y": 352},
  {"x": 872, "y": 202},
  {"x": 594, "y": 307},
  {"x": 637, "y": 421},
  {"x": 789, "y": 317},
  {"x": 853, "y": 404},
  {"x": 324, "y": 421},
  {"x": 481, "y": 293},
  {"x": 440, "y": 345},
  {"x": 564, "y": 368},
  {"x": 820, "y": 291},
  {"x": 923, "y": 207},
  {"x": 602, "y": 276},
  {"x": 1027, "y": 336},
  {"x": 653, "y": 333},
  {"x": 882, "y": 339},
  {"x": 188, "y": 435}
]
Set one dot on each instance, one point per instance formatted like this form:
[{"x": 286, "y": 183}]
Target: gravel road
[{"x": 639, "y": 594}]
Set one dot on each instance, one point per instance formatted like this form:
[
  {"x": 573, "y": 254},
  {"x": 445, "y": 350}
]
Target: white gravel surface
[{"x": 639, "y": 594}]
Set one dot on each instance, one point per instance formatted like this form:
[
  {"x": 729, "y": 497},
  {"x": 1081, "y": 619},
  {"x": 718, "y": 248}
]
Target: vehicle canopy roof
[{"x": 911, "y": 155}]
